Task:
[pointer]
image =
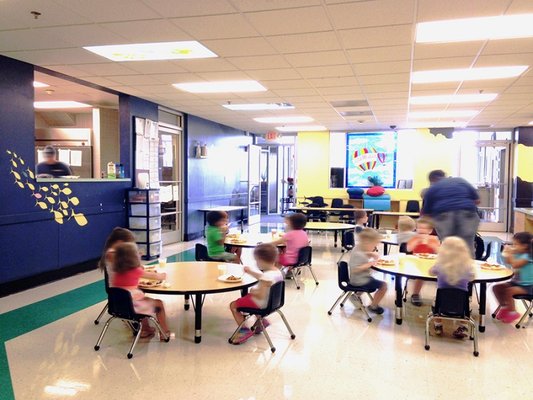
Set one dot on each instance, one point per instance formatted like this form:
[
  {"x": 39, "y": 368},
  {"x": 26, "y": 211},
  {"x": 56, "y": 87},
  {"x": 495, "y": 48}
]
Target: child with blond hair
[{"x": 454, "y": 269}]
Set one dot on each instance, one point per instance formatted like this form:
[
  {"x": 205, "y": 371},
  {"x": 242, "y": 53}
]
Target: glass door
[
  {"x": 493, "y": 184},
  {"x": 254, "y": 184},
  {"x": 170, "y": 177}
]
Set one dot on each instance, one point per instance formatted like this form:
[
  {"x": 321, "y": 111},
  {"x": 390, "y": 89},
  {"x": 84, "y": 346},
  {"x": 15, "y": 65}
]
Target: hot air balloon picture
[{"x": 370, "y": 154}]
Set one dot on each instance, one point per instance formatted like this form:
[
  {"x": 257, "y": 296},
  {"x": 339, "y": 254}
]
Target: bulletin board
[{"x": 146, "y": 153}]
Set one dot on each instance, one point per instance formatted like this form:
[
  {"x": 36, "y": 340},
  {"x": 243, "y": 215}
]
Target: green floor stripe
[{"x": 33, "y": 316}]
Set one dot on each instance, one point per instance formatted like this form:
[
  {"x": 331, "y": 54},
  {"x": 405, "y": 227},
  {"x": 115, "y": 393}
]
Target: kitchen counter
[
  {"x": 523, "y": 220},
  {"x": 98, "y": 180}
]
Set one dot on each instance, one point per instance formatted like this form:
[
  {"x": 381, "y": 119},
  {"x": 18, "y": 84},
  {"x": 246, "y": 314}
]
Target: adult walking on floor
[{"x": 452, "y": 204}]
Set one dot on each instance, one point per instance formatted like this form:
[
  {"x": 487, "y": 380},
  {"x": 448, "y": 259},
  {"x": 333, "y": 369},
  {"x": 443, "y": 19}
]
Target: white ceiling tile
[
  {"x": 305, "y": 43},
  {"x": 224, "y": 76},
  {"x": 175, "y": 78},
  {"x": 154, "y": 67},
  {"x": 339, "y": 90},
  {"x": 154, "y": 30},
  {"x": 32, "y": 39},
  {"x": 520, "y": 7},
  {"x": 392, "y": 87},
  {"x": 371, "y": 13},
  {"x": 383, "y": 79},
  {"x": 132, "y": 80},
  {"x": 314, "y": 59},
  {"x": 240, "y": 47},
  {"x": 205, "y": 65},
  {"x": 56, "y": 56},
  {"x": 380, "y": 54},
  {"x": 326, "y": 72},
  {"x": 435, "y": 10},
  {"x": 290, "y": 21},
  {"x": 100, "y": 81},
  {"x": 259, "y": 62},
  {"x": 190, "y": 8},
  {"x": 504, "y": 59},
  {"x": 106, "y": 11},
  {"x": 334, "y": 82},
  {"x": 288, "y": 84},
  {"x": 295, "y": 92},
  {"x": 274, "y": 74},
  {"x": 85, "y": 35},
  {"x": 247, "y": 5},
  {"x": 106, "y": 69},
  {"x": 227, "y": 26},
  {"x": 388, "y": 95},
  {"x": 375, "y": 37},
  {"x": 70, "y": 70},
  {"x": 393, "y": 67},
  {"x": 444, "y": 50},
  {"x": 442, "y": 63}
]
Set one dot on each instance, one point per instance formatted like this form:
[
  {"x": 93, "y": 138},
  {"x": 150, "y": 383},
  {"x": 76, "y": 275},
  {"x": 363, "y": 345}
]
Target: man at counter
[{"x": 51, "y": 167}]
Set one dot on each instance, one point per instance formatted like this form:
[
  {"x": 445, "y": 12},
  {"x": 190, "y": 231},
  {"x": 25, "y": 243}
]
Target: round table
[
  {"x": 329, "y": 226},
  {"x": 251, "y": 240},
  {"x": 413, "y": 267},
  {"x": 389, "y": 240},
  {"x": 199, "y": 278}
]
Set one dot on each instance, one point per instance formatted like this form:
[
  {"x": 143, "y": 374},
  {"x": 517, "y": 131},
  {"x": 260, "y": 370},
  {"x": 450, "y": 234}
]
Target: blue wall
[
  {"x": 32, "y": 243},
  {"x": 217, "y": 179}
]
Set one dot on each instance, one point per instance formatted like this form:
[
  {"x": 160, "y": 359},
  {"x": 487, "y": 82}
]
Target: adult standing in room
[
  {"x": 452, "y": 204},
  {"x": 51, "y": 166}
]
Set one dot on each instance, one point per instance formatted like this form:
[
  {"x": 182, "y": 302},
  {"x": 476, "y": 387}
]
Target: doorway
[{"x": 171, "y": 177}]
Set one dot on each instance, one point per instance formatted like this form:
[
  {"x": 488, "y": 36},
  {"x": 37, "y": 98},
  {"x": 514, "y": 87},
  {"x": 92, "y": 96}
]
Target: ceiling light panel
[
  {"x": 259, "y": 106},
  {"x": 454, "y": 98},
  {"x": 153, "y": 51},
  {"x": 283, "y": 120},
  {"x": 470, "y": 29},
  {"x": 221, "y": 87},
  {"x": 37, "y": 84},
  {"x": 467, "y": 74},
  {"x": 42, "y": 105}
]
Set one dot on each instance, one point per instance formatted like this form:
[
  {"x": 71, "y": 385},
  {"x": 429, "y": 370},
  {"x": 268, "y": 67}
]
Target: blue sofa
[{"x": 380, "y": 203}]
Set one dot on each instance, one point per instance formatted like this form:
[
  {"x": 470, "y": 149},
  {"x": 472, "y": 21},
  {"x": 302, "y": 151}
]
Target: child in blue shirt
[{"x": 519, "y": 257}]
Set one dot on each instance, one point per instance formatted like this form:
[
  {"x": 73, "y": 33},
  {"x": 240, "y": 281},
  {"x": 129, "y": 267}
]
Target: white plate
[{"x": 224, "y": 278}]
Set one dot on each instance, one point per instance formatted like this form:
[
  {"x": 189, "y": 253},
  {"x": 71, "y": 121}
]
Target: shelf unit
[{"x": 144, "y": 221}]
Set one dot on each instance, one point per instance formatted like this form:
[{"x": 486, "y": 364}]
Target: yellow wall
[
  {"x": 524, "y": 162},
  {"x": 312, "y": 175}
]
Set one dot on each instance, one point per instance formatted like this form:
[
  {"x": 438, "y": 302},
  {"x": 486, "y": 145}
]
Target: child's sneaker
[
  {"x": 376, "y": 309},
  {"x": 416, "y": 301},
  {"x": 243, "y": 335},
  {"x": 438, "y": 330},
  {"x": 460, "y": 332},
  {"x": 257, "y": 328},
  {"x": 509, "y": 316},
  {"x": 500, "y": 313}
]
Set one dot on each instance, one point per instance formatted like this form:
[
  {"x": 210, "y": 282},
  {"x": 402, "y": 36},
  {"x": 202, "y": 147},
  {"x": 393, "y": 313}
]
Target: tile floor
[{"x": 338, "y": 357}]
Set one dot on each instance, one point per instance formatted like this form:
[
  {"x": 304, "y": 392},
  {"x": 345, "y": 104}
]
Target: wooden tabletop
[
  {"x": 223, "y": 208},
  {"x": 199, "y": 277},
  {"x": 251, "y": 239},
  {"x": 328, "y": 209},
  {"x": 328, "y": 226},
  {"x": 398, "y": 213},
  {"x": 412, "y": 266}
]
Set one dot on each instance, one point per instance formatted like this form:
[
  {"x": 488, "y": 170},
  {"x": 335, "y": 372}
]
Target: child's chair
[
  {"x": 527, "y": 300},
  {"x": 121, "y": 307},
  {"x": 305, "y": 255},
  {"x": 454, "y": 305},
  {"x": 276, "y": 300},
  {"x": 347, "y": 243},
  {"x": 106, "y": 283},
  {"x": 349, "y": 290},
  {"x": 201, "y": 254}
]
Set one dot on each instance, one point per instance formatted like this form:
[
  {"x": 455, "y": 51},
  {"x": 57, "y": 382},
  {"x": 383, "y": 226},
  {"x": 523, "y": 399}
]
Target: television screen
[{"x": 371, "y": 155}]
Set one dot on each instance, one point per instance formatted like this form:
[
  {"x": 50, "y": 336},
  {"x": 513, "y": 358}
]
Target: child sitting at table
[
  {"x": 363, "y": 257},
  {"x": 422, "y": 242},
  {"x": 265, "y": 256},
  {"x": 361, "y": 219},
  {"x": 215, "y": 233},
  {"x": 294, "y": 239},
  {"x": 406, "y": 230},
  {"x": 520, "y": 257},
  {"x": 454, "y": 269},
  {"x": 127, "y": 272}
]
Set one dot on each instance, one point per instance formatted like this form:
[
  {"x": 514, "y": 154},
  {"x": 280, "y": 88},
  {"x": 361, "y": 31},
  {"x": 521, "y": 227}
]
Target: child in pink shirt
[{"x": 294, "y": 239}]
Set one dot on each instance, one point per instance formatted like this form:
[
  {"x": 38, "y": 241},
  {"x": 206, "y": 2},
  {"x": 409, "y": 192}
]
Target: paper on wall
[
  {"x": 64, "y": 156},
  {"x": 40, "y": 156},
  {"x": 75, "y": 158},
  {"x": 139, "y": 126}
]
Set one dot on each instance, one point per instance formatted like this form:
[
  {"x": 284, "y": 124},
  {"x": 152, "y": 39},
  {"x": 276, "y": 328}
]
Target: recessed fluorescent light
[
  {"x": 467, "y": 29},
  {"x": 39, "y": 84},
  {"x": 467, "y": 74},
  {"x": 258, "y": 106},
  {"x": 301, "y": 128},
  {"x": 59, "y": 104},
  {"x": 221, "y": 87},
  {"x": 454, "y": 98},
  {"x": 442, "y": 114},
  {"x": 153, "y": 51},
  {"x": 283, "y": 120},
  {"x": 530, "y": 123}
]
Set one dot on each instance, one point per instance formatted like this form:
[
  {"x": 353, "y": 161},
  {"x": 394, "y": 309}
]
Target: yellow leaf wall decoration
[
  {"x": 31, "y": 186},
  {"x": 42, "y": 205},
  {"x": 58, "y": 217},
  {"x": 80, "y": 219},
  {"x": 51, "y": 200},
  {"x": 67, "y": 191},
  {"x": 20, "y": 184},
  {"x": 74, "y": 201}
]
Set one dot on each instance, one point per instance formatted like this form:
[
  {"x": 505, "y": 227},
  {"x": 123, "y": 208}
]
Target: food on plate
[
  {"x": 491, "y": 266},
  {"x": 428, "y": 256},
  {"x": 386, "y": 261},
  {"x": 149, "y": 283},
  {"x": 233, "y": 278}
]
